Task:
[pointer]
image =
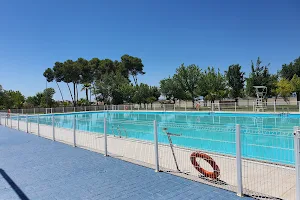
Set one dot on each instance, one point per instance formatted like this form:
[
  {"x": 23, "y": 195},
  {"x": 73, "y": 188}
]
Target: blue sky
[{"x": 35, "y": 34}]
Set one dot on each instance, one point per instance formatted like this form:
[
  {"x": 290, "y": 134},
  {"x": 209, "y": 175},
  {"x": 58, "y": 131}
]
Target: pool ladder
[{"x": 119, "y": 130}]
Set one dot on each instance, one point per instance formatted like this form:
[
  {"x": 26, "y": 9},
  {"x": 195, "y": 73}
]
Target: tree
[
  {"x": 284, "y": 89},
  {"x": 133, "y": 65},
  {"x": 52, "y": 75},
  {"x": 72, "y": 72},
  {"x": 235, "y": 80},
  {"x": 172, "y": 89},
  {"x": 212, "y": 85},
  {"x": 1, "y": 97},
  {"x": 35, "y": 100},
  {"x": 289, "y": 70},
  {"x": 142, "y": 93},
  {"x": 295, "y": 83},
  {"x": 109, "y": 88},
  {"x": 187, "y": 78},
  {"x": 47, "y": 98},
  {"x": 127, "y": 91},
  {"x": 260, "y": 76},
  {"x": 87, "y": 75},
  {"x": 13, "y": 99}
]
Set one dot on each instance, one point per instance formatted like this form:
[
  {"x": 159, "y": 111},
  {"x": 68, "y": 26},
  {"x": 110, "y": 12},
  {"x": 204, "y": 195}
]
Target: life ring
[{"x": 207, "y": 158}]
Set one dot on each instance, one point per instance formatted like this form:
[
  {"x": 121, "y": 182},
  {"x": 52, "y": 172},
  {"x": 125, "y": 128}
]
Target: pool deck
[{"x": 37, "y": 168}]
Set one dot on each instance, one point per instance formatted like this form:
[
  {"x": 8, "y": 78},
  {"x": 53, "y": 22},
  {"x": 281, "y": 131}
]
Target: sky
[{"x": 164, "y": 34}]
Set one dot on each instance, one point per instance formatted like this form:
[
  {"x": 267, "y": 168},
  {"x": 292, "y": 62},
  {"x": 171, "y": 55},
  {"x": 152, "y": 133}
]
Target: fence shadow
[{"x": 13, "y": 185}]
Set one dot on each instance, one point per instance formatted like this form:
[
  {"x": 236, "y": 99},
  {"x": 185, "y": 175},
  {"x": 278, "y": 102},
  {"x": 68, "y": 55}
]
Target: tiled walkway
[{"x": 37, "y": 168}]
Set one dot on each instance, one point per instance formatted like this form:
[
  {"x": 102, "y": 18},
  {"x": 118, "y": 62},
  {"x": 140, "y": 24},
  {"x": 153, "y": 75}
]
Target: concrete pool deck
[{"x": 37, "y": 168}]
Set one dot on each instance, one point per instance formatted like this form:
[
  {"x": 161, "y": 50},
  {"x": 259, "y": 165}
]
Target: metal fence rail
[
  {"x": 243, "y": 159},
  {"x": 272, "y": 107}
]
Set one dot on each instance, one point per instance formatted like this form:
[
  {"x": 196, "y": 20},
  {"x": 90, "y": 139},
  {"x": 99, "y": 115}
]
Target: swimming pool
[{"x": 266, "y": 137}]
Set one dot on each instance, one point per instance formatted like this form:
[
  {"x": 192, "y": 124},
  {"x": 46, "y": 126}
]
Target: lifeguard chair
[{"x": 261, "y": 92}]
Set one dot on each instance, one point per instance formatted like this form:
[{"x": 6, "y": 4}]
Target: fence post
[
  {"x": 274, "y": 107},
  {"x": 253, "y": 107},
  {"x": 299, "y": 105},
  {"x": 185, "y": 106},
  {"x": 33, "y": 110},
  {"x": 0, "y": 119},
  {"x": 22, "y": 111},
  {"x": 297, "y": 160},
  {"x": 85, "y": 108},
  {"x": 234, "y": 106},
  {"x": 95, "y": 108},
  {"x": 18, "y": 122},
  {"x": 26, "y": 123},
  {"x": 74, "y": 131},
  {"x": 53, "y": 128},
  {"x": 10, "y": 121},
  {"x": 63, "y": 109},
  {"x": 156, "y": 146},
  {"x": 239, "y": 161},
  {"x": 165, "y": 107},
  {"x": 174, "y": 107},
  {"x": 74, "y": 109},
  {"x": 105, "y": 136},
  {"x": 38, "y": 124}
]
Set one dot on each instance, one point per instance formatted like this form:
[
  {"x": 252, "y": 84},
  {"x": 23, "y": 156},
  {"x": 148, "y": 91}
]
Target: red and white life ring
[{"x": 207, "y": 158}]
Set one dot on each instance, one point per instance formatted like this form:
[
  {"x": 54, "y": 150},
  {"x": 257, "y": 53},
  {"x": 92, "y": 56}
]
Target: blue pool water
[{"x": 266, "y": 137}]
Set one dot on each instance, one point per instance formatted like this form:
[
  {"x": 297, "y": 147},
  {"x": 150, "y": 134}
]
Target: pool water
[{"x": 266, "y": 137}]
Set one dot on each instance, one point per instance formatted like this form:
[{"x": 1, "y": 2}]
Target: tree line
[
  {"x": 15, "y": 99},
  {"x": 189, "y": 82},
  {"x": 116, "y": 82}
]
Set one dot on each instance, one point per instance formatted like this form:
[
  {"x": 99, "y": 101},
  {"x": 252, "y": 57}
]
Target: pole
[
  {"x": 297, "y": 160},
  {"x": 18, "y": 122},
  {"x": 63, "y": 109},
  {"x": 33, "y": 110},
  {"x": 53, "y": 128},
  {"x": 38, "y": 124},
  {"x": 26, "y": 123},
  {"x": 234, "y": 106},
  {"x": 10, "y": 121},
  {"x": 253, "y": 107},
  {"x": 74, "y": 109},
  {"x": 274, "y": 107},
  {"x": 174, "y": 107},
  {"x": 105, "y": 137},
  {"x": 74, "y": 131},
  {"x": 185, "y": 106},
  {"x": 239, "y": 161},
  {"x": 156, "y": 146},
  {"x": 22, "y": 111}
]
